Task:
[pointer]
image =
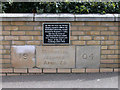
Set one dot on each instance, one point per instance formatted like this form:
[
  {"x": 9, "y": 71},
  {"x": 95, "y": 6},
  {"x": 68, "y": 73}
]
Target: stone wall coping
[
  {"x": 16, "y": 17},
  {"x": 58, "y": 17}
]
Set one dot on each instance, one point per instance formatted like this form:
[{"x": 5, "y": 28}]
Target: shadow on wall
[{"x": 58, "y": 77}]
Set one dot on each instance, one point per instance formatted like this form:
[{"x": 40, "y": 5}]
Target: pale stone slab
[
  {"x": 55, "y": 56},
  {"x": 16, "y": 17},
  {"x": 87, "y": 56},
  {"x": 23, "y": 56},
  {"x": 117, "y": 17},
  {"x": 58, "y": 17},
  {"x": 54, "y": 17},
  {"x": 94, "y": 17}
]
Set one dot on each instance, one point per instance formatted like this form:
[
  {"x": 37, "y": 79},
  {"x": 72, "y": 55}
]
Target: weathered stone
[
  {"x": 95, "y": 17},
  {"x": 55, "y": 56},
  {"x": 54, "y": 17},
  {"x": 23, "y": 56},
  {"x": 87, "y": 56},
  {"x": 16, "y": 17}
]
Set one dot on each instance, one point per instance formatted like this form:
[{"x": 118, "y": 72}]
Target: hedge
[{"x": 61, "y": 7}]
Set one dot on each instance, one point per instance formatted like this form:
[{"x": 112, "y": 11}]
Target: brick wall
[{"x": 83, "y": 33}]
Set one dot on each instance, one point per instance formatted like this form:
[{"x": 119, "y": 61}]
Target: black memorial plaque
[{"x": 56, "y": 33}]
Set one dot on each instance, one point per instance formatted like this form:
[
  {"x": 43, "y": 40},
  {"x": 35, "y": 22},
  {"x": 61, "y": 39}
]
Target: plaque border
[{"x": 55, "y": 43}]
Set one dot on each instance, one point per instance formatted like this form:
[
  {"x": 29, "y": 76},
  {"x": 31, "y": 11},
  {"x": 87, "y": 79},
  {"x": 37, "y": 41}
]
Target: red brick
[
  {"x": 107, "y": 61},
  {"x": 117, "y": 70},
  {"x": 78, "y": 23},
  {"x": 113, "y": 28},
  {"x": 4, "y": 42},
  {"x": 11, "y": 27},
  {"x": 64, "y": 71},
  {"x": 5, "y": 23},
  {"x": 3, "y": 74},
  {"x": 18, "y": 32},
  {"x": 33, "y": 42},
  {"x": 100, "y": 38},
  {"x": 33, "y": 33},
  {"x": 17, "y": 23},
  {"x": 33, "y": 23},
  {"x": 37, "y": 28},
  {"x": 78, "y": 42},
  {"x": 49, "y": 70},
  {"x": 11, "y": 37},
  {"x": 18, "y": 42},
  {"x": 92, "y": 23},
  {"x": 107, "y": 23},
  {"x": 5, "y": 32},
  {"x": 92, "y": 70},
  {"x": 104, "y": 47},
  {"x": 11, "y": 74},
  {"x": 106, "y": 70},
  {"x": 35, "y": 70},
  {"x": 85, "y": 37},
  {"x": 113, "y": 47},
  {"x": 78, "y": 70},
  {"x": 73, "y": 38},
  {"x": 26, "y": 37},
  {"x": 7, "y": 70},
  {"x": 20, "y": 70},
  {"x": 93, "y": 42},
  {"x": 107, "y": 42},
  {"x": 78, "y": 33},
  {"x": 100, "y": 28},
  {"x": 93, "y": 32},
  {"x": 26, "y": 28}
]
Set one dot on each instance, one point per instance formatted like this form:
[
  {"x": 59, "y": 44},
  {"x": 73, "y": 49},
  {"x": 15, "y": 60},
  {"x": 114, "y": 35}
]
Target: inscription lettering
[
  {"x": 24, "y": 56},
  {"x": 48, "y": 62},
  {"x": 85, "y": 56},
  {"x": 56, "y": 33},
  {"x": 53, "y": 63},
  {"x": 55, "y": 56}
]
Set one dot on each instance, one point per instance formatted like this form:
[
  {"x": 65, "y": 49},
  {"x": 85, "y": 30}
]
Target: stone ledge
[
  {"x": 54, "y": 17},
  {"x": 16, "y": 17},
  {"x": 117, "y": 17},
  {"x": 94, "y": 17},
  {"x": 58, "y": 17},
  {"x": 60, "y": 0}
]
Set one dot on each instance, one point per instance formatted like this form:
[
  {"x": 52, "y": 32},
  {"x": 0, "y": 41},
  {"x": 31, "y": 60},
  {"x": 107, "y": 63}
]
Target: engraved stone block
[
  {"x": 55, "y": 56},
  {"x": 87, "y": 56},
  {"x": 23, "y": 56}
]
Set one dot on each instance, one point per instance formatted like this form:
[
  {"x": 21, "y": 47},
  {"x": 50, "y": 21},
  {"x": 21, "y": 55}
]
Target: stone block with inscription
[
  {"x": 87, "y": 56},
  {"x": 23, "y": 56},
  {"x": 55, "y": 56}
]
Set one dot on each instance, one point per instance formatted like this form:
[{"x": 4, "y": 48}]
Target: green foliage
[{"x": 61, "y": 7}]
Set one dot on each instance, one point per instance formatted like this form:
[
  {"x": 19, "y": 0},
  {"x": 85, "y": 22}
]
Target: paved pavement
[{"x": 101, "y": 80}]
